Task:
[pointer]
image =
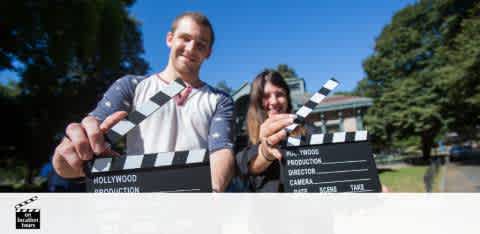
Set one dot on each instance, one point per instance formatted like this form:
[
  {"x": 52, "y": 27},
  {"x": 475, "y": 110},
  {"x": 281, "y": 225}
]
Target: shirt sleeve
[
  {"x": 244, "y": 157},
  {"x": 119, "y": 97},
  {"x": 221, "y": 132}
]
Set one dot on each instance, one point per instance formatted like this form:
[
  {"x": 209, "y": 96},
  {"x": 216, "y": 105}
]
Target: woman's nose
[{"x": 273, "y": 99}]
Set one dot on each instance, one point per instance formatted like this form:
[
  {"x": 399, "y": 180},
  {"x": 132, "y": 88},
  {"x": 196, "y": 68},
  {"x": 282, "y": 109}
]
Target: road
[{"x": 464, "y": 175}]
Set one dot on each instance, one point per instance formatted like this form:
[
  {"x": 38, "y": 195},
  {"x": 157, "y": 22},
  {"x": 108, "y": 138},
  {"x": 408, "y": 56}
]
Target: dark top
[{"x": 270, "y": 179}]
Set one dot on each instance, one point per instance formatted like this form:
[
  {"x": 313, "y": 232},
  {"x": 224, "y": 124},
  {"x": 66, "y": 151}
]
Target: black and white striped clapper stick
[
  {"x": 330, "y": 138},
  {"x": 135, "y": 117},
  {"x": 148, "y": 161},
  {"x": 24, "y": 203},
  {"x": 308, "y": 107}
]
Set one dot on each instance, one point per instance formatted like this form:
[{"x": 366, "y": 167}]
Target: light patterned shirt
[{"x": 204, "y": 121}]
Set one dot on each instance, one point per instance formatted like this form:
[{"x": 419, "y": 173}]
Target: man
[{"x": 201, "y": 117}]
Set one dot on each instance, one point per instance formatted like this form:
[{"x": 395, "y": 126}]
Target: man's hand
[
  {"x": 222, "y": 168},
  {"x": 83, "y": 141}
]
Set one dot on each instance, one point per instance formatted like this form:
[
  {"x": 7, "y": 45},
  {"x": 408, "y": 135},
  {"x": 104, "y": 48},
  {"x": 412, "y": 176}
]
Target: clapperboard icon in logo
[
  {"x": 27, "y": 218},
  {"x": 182, "y": 171},
  {"x": 331, "y": 162}
]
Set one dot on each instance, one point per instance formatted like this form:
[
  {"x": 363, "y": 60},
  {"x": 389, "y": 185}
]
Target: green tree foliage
[
  {"x": 424, "y": 73},
  {"x": 222, "y": 85},
  {"x": 286, "y": 71},
  {"x": 66, "y": 54}
]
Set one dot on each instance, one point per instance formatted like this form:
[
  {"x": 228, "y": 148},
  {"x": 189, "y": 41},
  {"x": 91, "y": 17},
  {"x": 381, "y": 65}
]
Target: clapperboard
[
  {"x": 27, "y": 218},
  {"x": 182, "y": 171},
  {"x": 331, "y": 162}
]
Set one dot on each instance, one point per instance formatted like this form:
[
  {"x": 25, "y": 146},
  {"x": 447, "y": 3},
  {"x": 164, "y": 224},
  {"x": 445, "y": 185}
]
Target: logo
[{"x": 27, "y": 218}]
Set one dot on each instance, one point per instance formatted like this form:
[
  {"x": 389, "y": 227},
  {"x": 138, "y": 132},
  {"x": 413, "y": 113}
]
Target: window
[{"x": 333, "y": 128}]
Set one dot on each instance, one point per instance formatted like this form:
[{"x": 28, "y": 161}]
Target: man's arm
[
  {"x": 85, "y": 139},
  {"x": 220, "y": 143},
  {"x": 222, "y": 167}
]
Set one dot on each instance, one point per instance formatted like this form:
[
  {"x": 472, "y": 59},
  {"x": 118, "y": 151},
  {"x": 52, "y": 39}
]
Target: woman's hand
[{"x": 272, "y": 132}]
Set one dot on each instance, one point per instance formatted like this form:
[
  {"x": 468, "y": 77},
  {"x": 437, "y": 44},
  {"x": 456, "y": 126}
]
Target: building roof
[
  {"x": 339, "y": 102},
  {"x": 330, "y": 103},
  {"x": 243, "y": 90}
]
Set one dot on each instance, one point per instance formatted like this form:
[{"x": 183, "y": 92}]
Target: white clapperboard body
[
  {"x": 332, "y": 162},
  {"x": 182, "y": 171}
]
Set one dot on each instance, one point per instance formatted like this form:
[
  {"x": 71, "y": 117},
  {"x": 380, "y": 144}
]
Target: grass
[{"x": 406, "y": 179}]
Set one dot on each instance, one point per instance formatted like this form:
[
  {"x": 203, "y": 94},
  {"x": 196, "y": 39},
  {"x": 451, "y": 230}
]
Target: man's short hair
[{"x": 198, "y": 18}]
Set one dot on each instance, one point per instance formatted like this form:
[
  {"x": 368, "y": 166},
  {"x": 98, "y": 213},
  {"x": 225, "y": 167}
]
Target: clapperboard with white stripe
[
  {"x": 27, "y": 218},
  {"x": 331, "y": 162},
  {"x": 181, "y": 171}
]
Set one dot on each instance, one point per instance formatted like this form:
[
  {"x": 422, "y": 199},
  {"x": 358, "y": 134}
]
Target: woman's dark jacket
[{"x": 270, "y": 179}]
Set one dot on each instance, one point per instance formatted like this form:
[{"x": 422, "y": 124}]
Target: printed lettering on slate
[{"x": 330, "y": 168}]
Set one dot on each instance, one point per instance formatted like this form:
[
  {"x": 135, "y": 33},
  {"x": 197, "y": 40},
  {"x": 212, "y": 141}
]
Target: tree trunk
[{"x": 427, "y": 143}]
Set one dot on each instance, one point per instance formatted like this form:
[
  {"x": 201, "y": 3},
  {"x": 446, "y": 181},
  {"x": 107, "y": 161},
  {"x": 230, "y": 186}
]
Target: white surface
[
  {"x": 101, "y": 164},
  {"x": 147, "y": 108},
  {"x": 133, "y": 161},
  {"x": 195, "y": 156},
  {"x": 339, "y": 137},
  {"x": 330, "y": 84},
  {"x": 164, "y": 159},
  {"x": 248, "y": 213},
  {"x": 123, "y": 127}
]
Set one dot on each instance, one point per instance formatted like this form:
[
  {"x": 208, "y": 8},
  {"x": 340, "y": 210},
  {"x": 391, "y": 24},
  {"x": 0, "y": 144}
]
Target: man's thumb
[{"x": 112, "y": 119}]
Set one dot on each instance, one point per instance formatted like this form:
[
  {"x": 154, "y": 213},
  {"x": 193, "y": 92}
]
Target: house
[{"x": 335, "y": 113}]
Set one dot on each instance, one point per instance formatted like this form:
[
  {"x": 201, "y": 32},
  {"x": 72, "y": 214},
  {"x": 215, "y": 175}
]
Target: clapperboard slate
[
  {"x": 181, "y": 171},
  {"x": 338, "y": 162}
]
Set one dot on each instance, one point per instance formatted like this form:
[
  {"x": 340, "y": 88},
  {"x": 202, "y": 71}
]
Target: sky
[{"x": 319, "y": 39}]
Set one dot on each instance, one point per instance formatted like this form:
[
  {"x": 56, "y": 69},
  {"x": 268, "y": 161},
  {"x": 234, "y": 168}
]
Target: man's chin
[{"x": 189, "y": 69}]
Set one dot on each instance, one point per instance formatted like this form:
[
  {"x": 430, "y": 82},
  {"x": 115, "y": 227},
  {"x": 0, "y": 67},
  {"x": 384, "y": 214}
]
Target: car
[{"x": 460, "y": 151}]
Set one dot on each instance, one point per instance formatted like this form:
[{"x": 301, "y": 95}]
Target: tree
[
  {"x": 423, "y": 74},
  {"x": 66, "y": 54},
  {"x": 222, "y": 85},
  {"x": 286, "y": 71}
]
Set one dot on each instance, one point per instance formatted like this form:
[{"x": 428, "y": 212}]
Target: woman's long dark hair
[{"x": 256, "y": 114}]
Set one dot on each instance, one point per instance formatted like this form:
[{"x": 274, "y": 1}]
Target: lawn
[{"x": 405, "y": 179}]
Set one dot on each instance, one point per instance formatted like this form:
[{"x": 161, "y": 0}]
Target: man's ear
[{"x": 169, "y": 39}]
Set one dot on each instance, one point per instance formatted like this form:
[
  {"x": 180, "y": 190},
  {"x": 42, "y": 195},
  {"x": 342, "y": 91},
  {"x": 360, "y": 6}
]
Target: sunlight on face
[
  {"x": 274, "y": 100},
  {"x": 190, "y": 45}
]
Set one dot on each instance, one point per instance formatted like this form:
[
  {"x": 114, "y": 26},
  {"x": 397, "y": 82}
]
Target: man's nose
[{"x": 190, "y": 46}]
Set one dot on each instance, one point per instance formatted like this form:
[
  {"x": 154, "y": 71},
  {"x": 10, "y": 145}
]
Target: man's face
[{"x": 189, "y": 46}]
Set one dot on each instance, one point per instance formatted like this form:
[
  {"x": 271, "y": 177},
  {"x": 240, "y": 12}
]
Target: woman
[{"x": 267, "y": 118}]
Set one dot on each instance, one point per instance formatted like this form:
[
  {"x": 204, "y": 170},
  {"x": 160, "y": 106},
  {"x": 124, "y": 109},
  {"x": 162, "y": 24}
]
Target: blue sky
[{"x": 319, "y": 39}]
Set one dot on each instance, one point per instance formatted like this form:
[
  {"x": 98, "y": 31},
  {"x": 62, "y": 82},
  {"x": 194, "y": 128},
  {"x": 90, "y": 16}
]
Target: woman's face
[{"x": 274, "y": 100}]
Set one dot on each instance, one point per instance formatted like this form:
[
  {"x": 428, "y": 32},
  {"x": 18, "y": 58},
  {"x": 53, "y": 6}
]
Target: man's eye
[
  {"x": 201, "y": 46},
  {"x": 184, "y": 38}
]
